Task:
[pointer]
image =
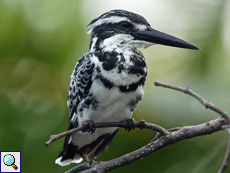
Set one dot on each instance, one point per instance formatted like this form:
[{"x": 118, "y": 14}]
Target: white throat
[{"x": 123, "y": 41}]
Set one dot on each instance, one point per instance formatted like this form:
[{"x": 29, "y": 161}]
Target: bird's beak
[{"x": 157, "y": 37}]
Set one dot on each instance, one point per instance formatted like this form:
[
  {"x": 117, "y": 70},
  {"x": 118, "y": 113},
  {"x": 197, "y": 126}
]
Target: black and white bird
[{"x": 107, "y": 82}]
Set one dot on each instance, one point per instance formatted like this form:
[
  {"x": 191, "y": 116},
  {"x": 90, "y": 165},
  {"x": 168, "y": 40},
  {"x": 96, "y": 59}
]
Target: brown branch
[
  {"x": 58, "y": 136},
  {"x": 141, "y": 125},
  {"x": 162, "y": 139},
  {"x": 171, "y": 138},
  {"x": 209, "y": 105},
  {"x": 204, "y": 102}
]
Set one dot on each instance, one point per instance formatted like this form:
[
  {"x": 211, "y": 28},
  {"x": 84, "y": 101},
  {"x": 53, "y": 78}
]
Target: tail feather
[
  {"x": 91, "y": 154},
  {"x": 71, "y": 153},
  {"x": 105, "y": 144}
]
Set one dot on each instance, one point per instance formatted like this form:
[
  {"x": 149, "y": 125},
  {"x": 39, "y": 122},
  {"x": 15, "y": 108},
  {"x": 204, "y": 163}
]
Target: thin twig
[
  {"x": 58, "y": 136},
  {"x": 141, "y": 124},
  {"x": 226, "y": 159},
  {"x": 204, "y": 102}
]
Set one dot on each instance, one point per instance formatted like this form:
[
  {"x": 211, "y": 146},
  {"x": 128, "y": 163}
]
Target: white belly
[{"x": 114, "y": 106}]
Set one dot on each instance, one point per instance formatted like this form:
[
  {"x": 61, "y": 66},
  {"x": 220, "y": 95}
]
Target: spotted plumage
[{"x": 107, "y": 82}]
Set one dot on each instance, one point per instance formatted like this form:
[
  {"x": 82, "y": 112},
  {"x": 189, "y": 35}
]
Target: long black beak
[{"x": 157, "y": 37}]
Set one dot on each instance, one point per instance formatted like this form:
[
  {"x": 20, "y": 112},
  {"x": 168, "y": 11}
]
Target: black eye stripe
[{"x": 125, "y": 24}]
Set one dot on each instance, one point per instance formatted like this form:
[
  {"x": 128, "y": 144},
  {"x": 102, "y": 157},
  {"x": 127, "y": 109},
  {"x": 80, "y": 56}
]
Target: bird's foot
[
  {"x": 131, "y": 124},
  {"x": 91, "y": 128}
]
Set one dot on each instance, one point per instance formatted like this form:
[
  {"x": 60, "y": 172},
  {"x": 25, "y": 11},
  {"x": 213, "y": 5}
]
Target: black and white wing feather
[
  {"x": 81, "y": 101},
  {"x": 81, "y": 80}
]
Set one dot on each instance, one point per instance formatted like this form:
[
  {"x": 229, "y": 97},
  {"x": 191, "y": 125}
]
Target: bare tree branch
[
  {"x": 204, "y": 102},
  {"x": 226, "y": 159},
  {"x": 186, "y": 132},
  {"x": 162, "y": 139},
  {"x": 209, "y": 105},
  {"x": 141, "y": 125},
  {"x": 58, "y": 136}
]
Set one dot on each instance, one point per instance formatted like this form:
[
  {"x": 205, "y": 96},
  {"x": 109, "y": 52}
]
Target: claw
[
  {"x": 91, "y": 128},
  {"x": 131, "y": 124}
]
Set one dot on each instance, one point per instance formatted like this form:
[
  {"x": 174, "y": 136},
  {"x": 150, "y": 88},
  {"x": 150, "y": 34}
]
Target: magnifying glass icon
[{"x": 9, "y": 160}]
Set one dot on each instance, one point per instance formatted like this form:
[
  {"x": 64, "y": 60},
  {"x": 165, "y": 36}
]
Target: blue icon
[{"x": 9, "y": 160}]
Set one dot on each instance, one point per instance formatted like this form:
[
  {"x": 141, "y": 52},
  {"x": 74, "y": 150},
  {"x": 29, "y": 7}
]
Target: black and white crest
[{"x": 107, "y": 82}]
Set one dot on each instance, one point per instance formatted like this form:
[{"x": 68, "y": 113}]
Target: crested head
[
  {"x": 117, "y": 16},
  {"x": 114, "y": 28},
  {"x": 123, "y": 29}
]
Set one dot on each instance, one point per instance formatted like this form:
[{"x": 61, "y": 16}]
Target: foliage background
[{"x": 41, "y": 41}]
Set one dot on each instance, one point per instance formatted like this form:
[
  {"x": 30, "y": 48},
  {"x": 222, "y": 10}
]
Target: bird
[{"x": 107, "y": 82}]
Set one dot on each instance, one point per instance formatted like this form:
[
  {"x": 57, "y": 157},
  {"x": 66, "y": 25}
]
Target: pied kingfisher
[{"x": 107, "y": 82}]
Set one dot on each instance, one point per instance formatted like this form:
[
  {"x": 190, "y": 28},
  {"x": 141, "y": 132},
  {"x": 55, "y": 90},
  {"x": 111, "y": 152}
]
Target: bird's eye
[{"x": 125, "y": 24}]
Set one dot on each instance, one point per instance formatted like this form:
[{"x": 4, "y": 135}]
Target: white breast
[
  {"x": 113, "y": 104},
  {"x": 113, "y": 107}
]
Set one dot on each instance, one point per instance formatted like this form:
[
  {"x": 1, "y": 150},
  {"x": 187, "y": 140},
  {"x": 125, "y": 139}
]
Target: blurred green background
[{"x": 40, "y": 43}]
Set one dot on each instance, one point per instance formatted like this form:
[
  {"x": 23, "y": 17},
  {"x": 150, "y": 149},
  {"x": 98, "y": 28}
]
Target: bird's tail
[{"x": 73, "y": 154}]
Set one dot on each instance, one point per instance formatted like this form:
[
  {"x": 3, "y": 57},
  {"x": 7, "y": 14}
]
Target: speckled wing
[{"x": 81, "y": 80}]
